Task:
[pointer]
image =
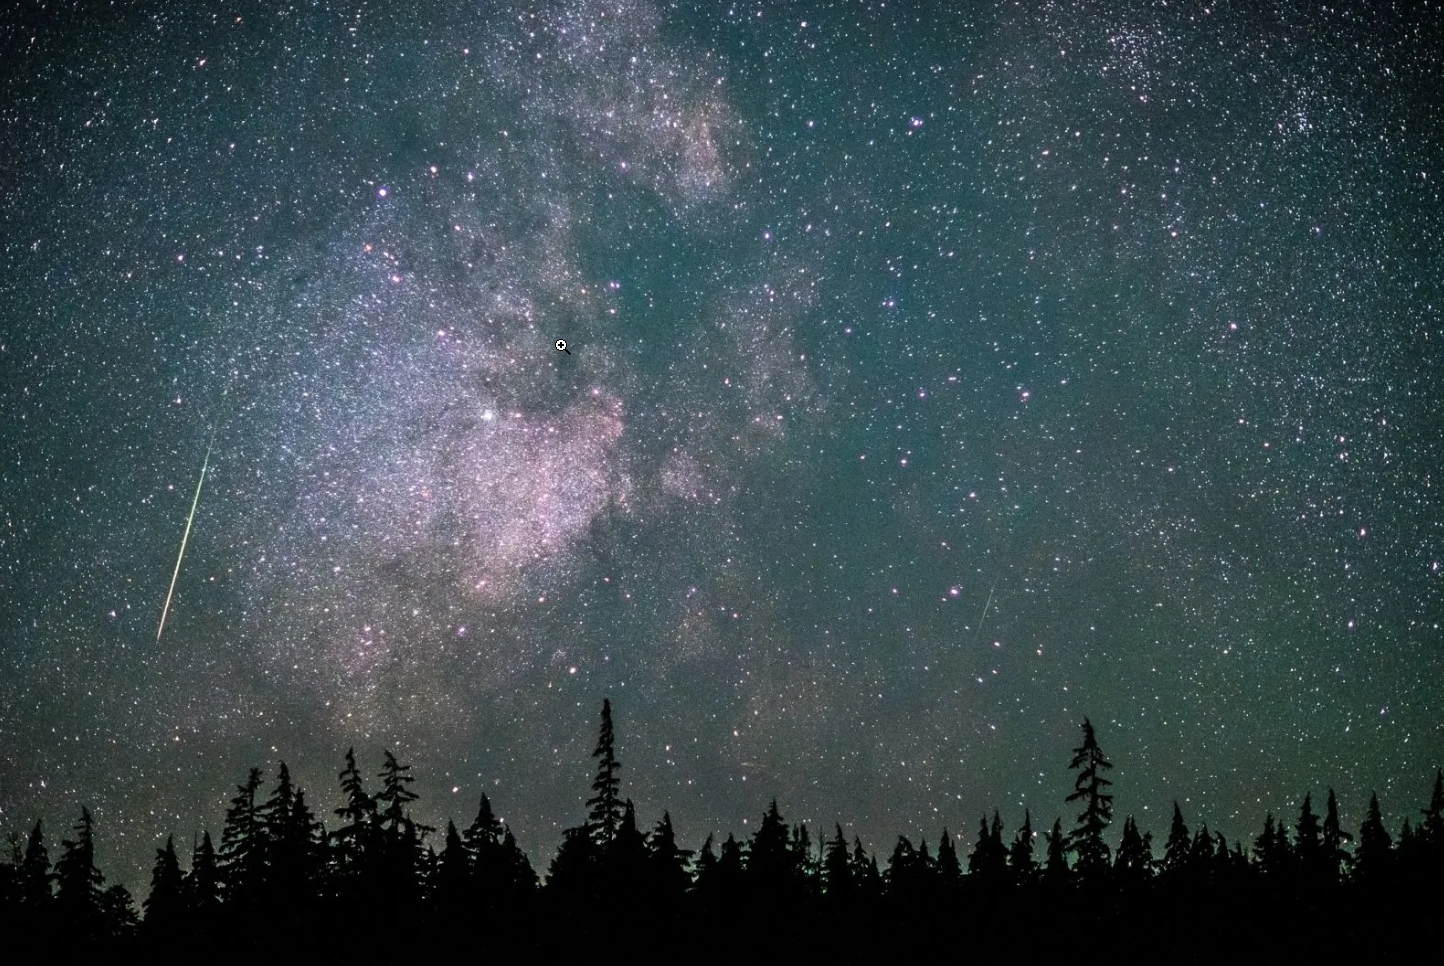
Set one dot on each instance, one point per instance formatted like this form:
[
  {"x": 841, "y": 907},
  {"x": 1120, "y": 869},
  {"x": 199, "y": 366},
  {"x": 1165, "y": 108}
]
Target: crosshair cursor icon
[{"x": 562, "y": 346}]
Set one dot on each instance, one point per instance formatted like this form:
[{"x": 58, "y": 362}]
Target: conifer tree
[
  {"x": 1021, "y": 865},
  {"x": 77, "y": 884},
  {"x": 165, "y": 906},
  {"x": 1375, "y": 854},
  {"x": 358, "y": 814},
  {"x": 451, "y": 882},
  {"x": 203, "y": 884},
  {"x": 394, "y": 797},
  {"x": 837, "y": 871},
  {"x": 770, "y": 862},
  {"x": 866, "y": 879},
  {"x": 606, "y": 804},
  {"x": 1176, "y": 849},
  {"x": 117, "y": 914},
  {"x": 35, "y": 876},
  {"x": 627, "y": 855},
  {"x": 989, "y": 859},
  {"x": 1431, "y": 829},
  {"x": 669, "y": 862},
  {"x": 949, "y": 870},
  {"x": 1055, "y": 869},
  {"x": 1333, "y": 858},
  {"x": 1134, "y": 865},
  {"x": 243, "y": 847},
  {"x": 1308, "y": 843},
  {"x": 1086, "y": 840}
]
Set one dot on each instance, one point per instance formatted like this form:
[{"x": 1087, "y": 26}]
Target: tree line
[{"x": 281, "y": 876}]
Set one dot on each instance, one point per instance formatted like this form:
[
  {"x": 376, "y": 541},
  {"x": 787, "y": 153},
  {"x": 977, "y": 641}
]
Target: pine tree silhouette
[
  {"x": 35, "y": 877},
  {"x": 1056, "y": 873},
  {"x": 1333, "y": 858},
  {"x": 203, "y": 885},
  {"x": 606, "y": 805},
  {"x": 165, "y": 907},
  {"x": 669, "y": 864},
  {"x": 1375, "y": 854},
  {"x": 1086, "y": 841},
  {"x": 1431, "y": 829},
  {"x": 989, "y": 859},
  {"x": 837, "y": 872},
  {"x": 949, "y": 869},
  {"x": 77, "y": 885},
  {"x": 1022, "y": 867},
  {"x": 1134, "y": 866},
  {"x": 243, "y": 849},
  {"x": 1176, "y": 850},
  {"x": 1308, "y": 841}
]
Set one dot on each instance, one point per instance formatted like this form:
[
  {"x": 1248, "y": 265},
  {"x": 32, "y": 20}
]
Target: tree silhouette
[
  {"x": 35, "y": 877},
  {"x": 1333, "y": 858},
  {"x": 77, "y": 884},
  {"x": 1308, "y": 840},
  {"x": 1086, "y": 840},
  {"x": 1375, "y": 853},
  {"x": 1431, "y": 829},
  {"x": 1176, "y": 850},
  {"x": 203, "y": 884},
  {"x": 1055, "y": 869},
  {"x": 949, "y": 870},
  {"x": 243, "y": 848},
  {"x": 606, "y": 805},
  {"x": 1022, "y": 867},
  {"x": 989, "y": 859},
  {"x": 669, "y": 864},
  {"x": 165, "y": 907},
  {"x": 837, "y": 872},
  {"x": 1134, "y": 865}
]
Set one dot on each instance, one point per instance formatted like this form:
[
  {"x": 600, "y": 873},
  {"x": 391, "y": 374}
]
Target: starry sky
[{"x": 938, "y": 374}]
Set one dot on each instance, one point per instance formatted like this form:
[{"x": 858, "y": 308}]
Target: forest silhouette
[{"x": 376, "y": 882}]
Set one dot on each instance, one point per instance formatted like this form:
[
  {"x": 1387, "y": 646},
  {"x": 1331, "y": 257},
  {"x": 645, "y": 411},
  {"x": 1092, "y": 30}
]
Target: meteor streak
[
  {"x": 987, "y": 605},
  {"x": 185, "y": 538}
]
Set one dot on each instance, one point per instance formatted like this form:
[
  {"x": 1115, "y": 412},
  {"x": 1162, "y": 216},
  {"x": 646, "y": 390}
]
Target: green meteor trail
[{"x": 184, "y": 539}]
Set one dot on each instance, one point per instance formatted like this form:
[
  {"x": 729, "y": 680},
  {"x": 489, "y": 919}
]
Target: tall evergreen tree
[
  {"x": 1055, "y": 869},
  {"x": 1134, "y": 865},
  {"x": 450, "y": 886},
  {"x": 359, "y": 807},
  {"x": 1176, "y": 849},
  {"x": 395, "y": 796},
  {"x": 1375, "y": 853},
  {"x": 243, "y": 847},
  {"x": 1431, "y": 829},
  {"x": 1308, "y": 841},
  {"x": 669, "y": 862},
  {"x": 77, "y": 884},
  {"x": 165, "y": 906},
  {"x": 606, "y": 804},
  {"x": 837, "y": 871},
  {"x": 866, "y": 879},
  {"x": 989, "y": 859},
  {"x": 1086, "y": 840},
  {"x": 35, "y": 876},
  {"x": 1272, "y": 850},
  {"x": 771, "y": 868},
  {"x": 1021, "y": 865},
  {"x": 949, "y": 870},
  {"x": 1333, "y": 857},
  {"x": 203, "y": 884}
]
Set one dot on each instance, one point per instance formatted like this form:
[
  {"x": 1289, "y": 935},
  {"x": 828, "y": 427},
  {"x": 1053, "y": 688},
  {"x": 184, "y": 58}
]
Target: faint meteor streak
[
  {"x": 987, "y": 605},
  {"x": 184, "y": 539}
]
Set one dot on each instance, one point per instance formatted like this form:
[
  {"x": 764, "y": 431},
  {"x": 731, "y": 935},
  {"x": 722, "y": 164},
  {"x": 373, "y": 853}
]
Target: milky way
[{"x": 1117, "y": 323}]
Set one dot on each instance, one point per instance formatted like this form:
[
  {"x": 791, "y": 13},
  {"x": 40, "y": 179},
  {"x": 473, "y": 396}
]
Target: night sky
[{"x": 934, "y": 379}]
